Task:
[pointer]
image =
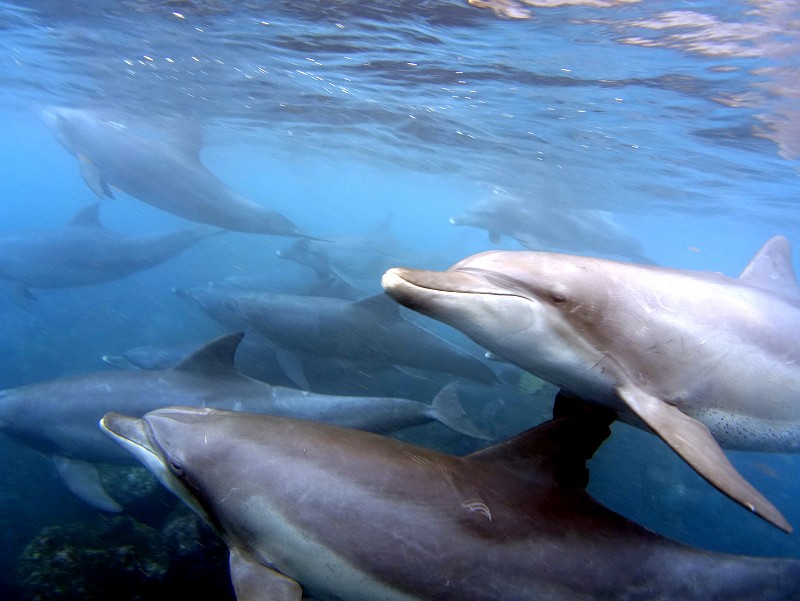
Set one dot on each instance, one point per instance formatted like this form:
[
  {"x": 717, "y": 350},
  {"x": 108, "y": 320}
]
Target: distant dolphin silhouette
[
  {"x": 678, "y": 352},
  {"x": 313, "y": 511},
  {"x": 166, "y": 174},
  {"x": 83, "y": 253},
  {"x": 544, "y": 225}
]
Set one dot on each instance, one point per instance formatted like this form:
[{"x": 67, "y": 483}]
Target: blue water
[{"x": 678, "y": 118}]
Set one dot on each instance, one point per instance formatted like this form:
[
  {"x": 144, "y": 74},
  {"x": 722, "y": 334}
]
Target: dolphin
[
  {"x": 370, "y": 331},
  {"x": 258, "y": 356},
  {"x": 699, "y": 358},
  {"x": 538, "y": 225},
  {"x": 83, "y": 253},
  {"x": 166, "y": 173},
  {"x": 59, "y": 417},
  {"x": 313, "y": 510}
]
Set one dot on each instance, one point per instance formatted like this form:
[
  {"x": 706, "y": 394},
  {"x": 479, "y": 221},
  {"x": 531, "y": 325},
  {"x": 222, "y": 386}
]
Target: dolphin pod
[
  {"x": 312, "y": 510},
  {"x": 167, "y": 173},
  {"x": 699, "y": 358},
  {"x": 60, "y": 417}
]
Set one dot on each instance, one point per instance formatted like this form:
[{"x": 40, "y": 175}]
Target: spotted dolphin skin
[
  {"x": 312, "y": 510},
  {"x": 699, "y": 358},
  {"x": 167, "y": 174}
]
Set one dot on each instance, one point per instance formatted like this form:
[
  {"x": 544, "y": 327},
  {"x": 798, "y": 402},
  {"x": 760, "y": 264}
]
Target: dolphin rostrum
[
  {"x": 693, "y": 356},
  {"x": 313, "y": 510},
  {"x": 167, "y": 174},
  {"x": 60, "y": 417}
]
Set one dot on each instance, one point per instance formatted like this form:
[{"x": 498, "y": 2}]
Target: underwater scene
[{"x": 391, "y": 300}]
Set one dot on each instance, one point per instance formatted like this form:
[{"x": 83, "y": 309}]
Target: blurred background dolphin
[{"x": 166, "y": 173}]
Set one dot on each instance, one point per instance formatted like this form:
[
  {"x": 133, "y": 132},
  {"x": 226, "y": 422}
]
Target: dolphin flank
[
  {"x": 699, "y": 358},
  {"x": 312, "y": 510}
]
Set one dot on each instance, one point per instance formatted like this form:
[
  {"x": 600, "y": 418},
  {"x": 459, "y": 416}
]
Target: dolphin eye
[
  {"x": 558, "y": 298},
  {"x": 175, "y": 468}
]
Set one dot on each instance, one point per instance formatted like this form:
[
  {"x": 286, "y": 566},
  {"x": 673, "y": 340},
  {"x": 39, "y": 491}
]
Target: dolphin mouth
[
  {"x": 130, "y": 432},
  {"x": 135, "y": 436},
  {"x": 399, "y": 282}
]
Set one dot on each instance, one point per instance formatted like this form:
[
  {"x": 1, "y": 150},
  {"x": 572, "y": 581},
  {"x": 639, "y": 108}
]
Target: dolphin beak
[
  {"x": 401, "y": 283},
  {"x": 127, "y": 431},
  {"x": 133, "y": 435},
  {"x": 136, "y": 436}
]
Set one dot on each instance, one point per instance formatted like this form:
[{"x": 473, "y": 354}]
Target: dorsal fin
[
  {"x": 558, "y": 448},
  {"x": 189, "y": 140},
  {"x": 771, "y": 268},
  {"x": 215, "y": 357},
  {"x": 88, "y": 216},
  {"x": 380, "y": 304}
]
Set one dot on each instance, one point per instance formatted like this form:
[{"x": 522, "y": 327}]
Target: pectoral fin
[
  {"x": 91, "y": 175},
  {"x": 253, "y": 581},
  {"x": 292, "y": 365},
  {"x": 83, "y": 479},
  {"x": 693, "y": 442}
]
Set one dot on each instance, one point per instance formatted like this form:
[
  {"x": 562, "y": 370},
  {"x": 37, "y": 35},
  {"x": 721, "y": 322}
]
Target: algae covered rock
[{"x": 112, "y": 558}]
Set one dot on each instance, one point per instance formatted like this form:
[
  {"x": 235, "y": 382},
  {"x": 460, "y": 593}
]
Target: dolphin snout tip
[
  {"x": 117, "y": 424},
  {"x": 393, "y": 279},
  {"x": 453, "y": 221}
]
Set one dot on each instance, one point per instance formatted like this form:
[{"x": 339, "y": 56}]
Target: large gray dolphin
[
  {"x": 695, "y": 356},
  {"x": 311, "y": 510},
  {"x": 60, "y": 417},
  {"x": 167, "y": 174},
  {"x": 84, "y": 253}
]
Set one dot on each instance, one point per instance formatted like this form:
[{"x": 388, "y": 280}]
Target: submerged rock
[
  {"x": 120, "y": 559},
  {"x": 113, "y": 558}
]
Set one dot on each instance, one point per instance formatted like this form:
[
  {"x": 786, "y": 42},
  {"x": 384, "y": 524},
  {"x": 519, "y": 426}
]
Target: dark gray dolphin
[
  {"x": 311, "y": 510},
  {"x": 60, "y": 417},
  {"x": 699, "y": 358},
  {"x": 84, "y": 252},
  {"x": 370, "y": 331},
  {"x": 167, "y": 174}
]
